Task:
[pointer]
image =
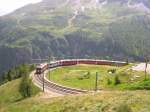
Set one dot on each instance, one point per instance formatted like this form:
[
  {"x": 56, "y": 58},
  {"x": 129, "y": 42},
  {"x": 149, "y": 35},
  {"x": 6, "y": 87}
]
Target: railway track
[
  {"x": 51, "y": 86},
  {"x": 55, "y": 87}
]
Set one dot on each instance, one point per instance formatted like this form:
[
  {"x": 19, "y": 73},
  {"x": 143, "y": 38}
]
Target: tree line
[{"x": 16, "y": 72}]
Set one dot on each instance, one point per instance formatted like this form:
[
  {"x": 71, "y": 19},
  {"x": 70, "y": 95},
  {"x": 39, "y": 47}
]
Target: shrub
[
  {"x": 112, "y": 71},
  {"x": 142, "y": 85},
  {"x": 116, "y": 80},
  {"x": 108, "y": 81},
  {"x": 25, "y": 87},
  {"x": 80, "y": 77}
]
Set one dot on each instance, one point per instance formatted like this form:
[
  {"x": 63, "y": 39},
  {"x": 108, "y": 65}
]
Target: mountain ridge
[{"x": 63, "y": 29}]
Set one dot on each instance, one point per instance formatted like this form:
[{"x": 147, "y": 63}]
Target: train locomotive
[{"x": 41, "y": 68}]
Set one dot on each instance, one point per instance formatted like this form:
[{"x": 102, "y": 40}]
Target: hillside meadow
[{"x": 103, "y": 101}]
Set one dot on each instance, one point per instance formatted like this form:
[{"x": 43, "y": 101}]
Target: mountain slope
[{"x": 108, "y": 29}]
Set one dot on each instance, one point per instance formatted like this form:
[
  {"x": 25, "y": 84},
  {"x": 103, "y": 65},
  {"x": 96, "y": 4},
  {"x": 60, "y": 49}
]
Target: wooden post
[
  {"x": 49, "y": 74},
  {"x": 96, "y": 81},
  {"x": 146, "y": 64}
]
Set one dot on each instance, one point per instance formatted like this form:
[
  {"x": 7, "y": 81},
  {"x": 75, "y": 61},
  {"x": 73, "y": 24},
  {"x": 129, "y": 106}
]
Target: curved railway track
[
  {"x": 55, "y": 87},
  {"x": 41, "y": 80}
]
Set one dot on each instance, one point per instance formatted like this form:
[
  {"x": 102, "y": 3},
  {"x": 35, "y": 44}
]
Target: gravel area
[{"x": 141, "y": 67}]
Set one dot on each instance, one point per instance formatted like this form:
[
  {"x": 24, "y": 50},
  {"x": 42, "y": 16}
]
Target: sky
[{"x": 7, "y": 6}]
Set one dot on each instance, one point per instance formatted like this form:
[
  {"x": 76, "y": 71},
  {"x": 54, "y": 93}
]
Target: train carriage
[
  {"x": 68, "y": 62},
  {"x": 42, "y": 67}
]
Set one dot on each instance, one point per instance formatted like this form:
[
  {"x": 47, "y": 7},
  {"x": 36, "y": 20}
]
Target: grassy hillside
[
  {"x": 115, "y": 101},
  {"x": 9, "y": 93}
]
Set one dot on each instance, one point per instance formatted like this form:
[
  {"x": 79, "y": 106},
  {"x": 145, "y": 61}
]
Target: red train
[{"x": 41, "y": 68}]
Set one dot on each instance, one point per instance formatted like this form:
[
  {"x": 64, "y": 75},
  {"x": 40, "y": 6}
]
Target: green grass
[
  {"x": 76, "y": 76},
  {"x": 102, "y": 102},
  {"x": 9, "y": 92},
  {"x": 105, "y": 101}
]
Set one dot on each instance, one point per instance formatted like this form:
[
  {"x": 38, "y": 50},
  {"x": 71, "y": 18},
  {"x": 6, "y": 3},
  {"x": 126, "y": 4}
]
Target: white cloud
[{"x": 7, "y": 6}]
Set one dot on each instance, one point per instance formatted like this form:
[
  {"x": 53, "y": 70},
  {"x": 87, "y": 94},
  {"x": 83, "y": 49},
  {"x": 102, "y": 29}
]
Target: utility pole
[
  {"x": 96, "y": 81},
  {"x": 146, "y": 64},
  {"x": 49, "y": 68},
  {"x": 43, "y": 82},
  {"x": 127, "y": 61}
]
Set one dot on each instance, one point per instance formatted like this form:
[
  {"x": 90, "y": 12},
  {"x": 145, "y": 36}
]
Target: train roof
[
  {"x": 53, "y": 62},
  {"x": 42, "y": 65}
]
